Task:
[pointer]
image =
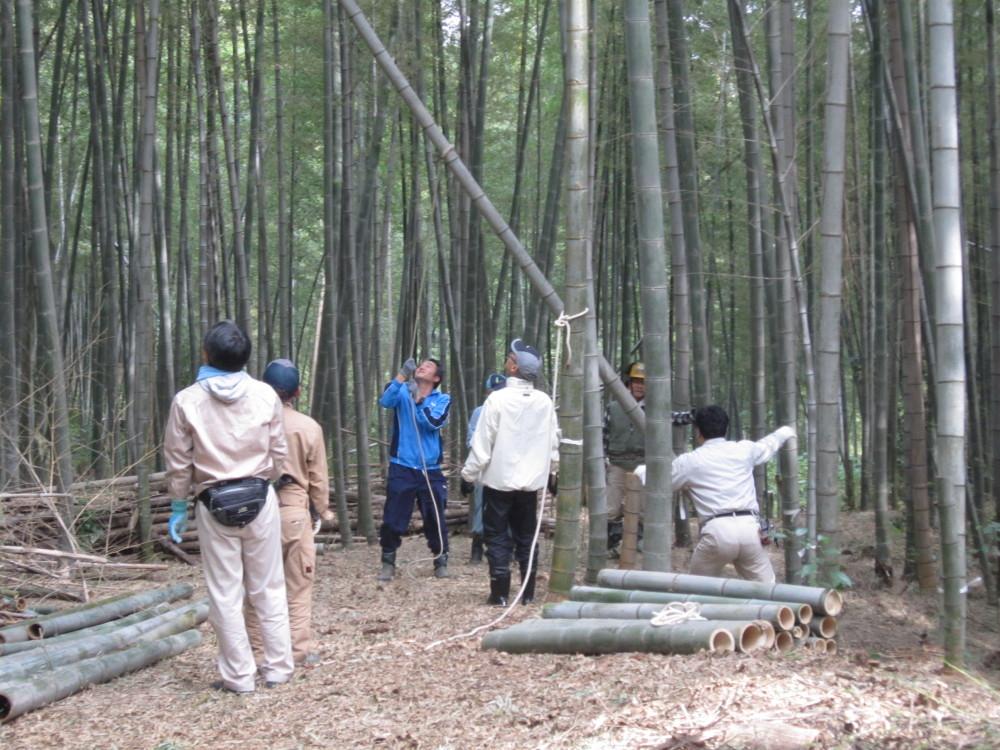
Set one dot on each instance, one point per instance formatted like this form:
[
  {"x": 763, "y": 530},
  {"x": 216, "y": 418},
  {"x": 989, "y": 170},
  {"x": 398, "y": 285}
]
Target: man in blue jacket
[{"x": 420, "y": 410}]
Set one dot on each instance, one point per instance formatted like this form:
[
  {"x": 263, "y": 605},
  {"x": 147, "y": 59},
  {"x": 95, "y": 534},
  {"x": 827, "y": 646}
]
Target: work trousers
[
  {"x": 736, "y": 540},
  {"x": 298, "y": 552},
  {"x": 477, "y": 510},
  {"x": 509, "y": 520},
  {"x": 404, "y": 487},
  {"x": 242, "y": 562},
  {"x": 624, "y": 489}
]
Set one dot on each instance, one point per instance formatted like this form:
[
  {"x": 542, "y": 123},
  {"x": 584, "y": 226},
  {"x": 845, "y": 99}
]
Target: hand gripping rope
[{"x": 562, "y": 323}]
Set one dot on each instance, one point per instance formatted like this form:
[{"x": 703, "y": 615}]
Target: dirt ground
[{"x": 380, "y": 686}]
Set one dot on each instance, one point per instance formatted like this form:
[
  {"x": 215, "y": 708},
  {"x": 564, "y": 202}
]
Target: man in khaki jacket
[
  {"x": 303, "y": 490},
  {"x": 225, "y": 432}
]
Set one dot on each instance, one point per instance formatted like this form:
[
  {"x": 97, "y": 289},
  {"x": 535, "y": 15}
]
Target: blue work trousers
[
  {"x": 405, "y": 486},
  {"x": 509, "y": 520}
]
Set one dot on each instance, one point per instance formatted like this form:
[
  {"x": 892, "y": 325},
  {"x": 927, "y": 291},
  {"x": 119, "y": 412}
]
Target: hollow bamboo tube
[
  {"x": 94, "y": 613},
  {"x": 7, "y": 649},
  {"x": 779, "y": 615},
  {"x": 20, "y": 696},
  {"x": 831, "y": 646},
  {"x": 803, "y": 612},
  {"x": 46, "y": 657},
  {"x": 824, "y": 627},
  {"x": 799, "y": 632},
  {"x": 817, "y": 645},
  {"x": 784, "y": 641},
  {"x": 17, "y": 603},
  {"x": 614, "y": 636},
  {"x": 823, "y": 601},
  {"x": 767, "y": 629}
]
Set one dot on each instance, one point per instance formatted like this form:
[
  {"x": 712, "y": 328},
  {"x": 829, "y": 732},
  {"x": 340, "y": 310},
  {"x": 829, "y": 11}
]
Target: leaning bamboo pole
[
  {"x": 7, "y": 649},
  {"x": 803, "y": 612},
  {"x": 823, "y": 601},
  {"x": 779, "y": 615},
  {"x": 23, "y": 695},
  {"x": 94, "y": 613},
  {"x": 169, "y": 623},
  {"x": 611, "y": 636}
]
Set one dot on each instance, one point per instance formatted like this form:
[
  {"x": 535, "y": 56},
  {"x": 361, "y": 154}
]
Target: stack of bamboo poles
[
  {"x": 47, "y": 658},
  {"x": 703, "y": 614}
]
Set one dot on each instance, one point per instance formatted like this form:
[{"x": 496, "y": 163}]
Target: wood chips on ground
[{"x": 379, "y": 686}]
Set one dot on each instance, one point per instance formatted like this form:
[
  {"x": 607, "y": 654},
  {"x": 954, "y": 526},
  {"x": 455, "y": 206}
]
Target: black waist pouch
[{"x": 235, "y": 502}]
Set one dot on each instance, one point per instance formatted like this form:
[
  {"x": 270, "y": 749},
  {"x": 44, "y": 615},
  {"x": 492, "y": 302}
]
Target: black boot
[
  {"x": 529, "y": 590},
  {"x": 441, "y": 565},
  {"x": 388, "y": 566},
  {"x": 476, "y": 556},
  {"x": 499, "y": 590}
]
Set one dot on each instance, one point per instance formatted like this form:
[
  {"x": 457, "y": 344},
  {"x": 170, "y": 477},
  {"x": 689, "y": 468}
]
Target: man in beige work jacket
[
  {"x": 225, "y": 441},
  {"x": 304, "y": 499}
]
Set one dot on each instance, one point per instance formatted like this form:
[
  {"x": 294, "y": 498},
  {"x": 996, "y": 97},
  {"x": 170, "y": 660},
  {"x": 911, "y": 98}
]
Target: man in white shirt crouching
[{"x": 718, "y": 476}]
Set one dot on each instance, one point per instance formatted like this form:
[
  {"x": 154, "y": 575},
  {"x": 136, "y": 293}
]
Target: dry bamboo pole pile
[{"x": 678, "y": 614}]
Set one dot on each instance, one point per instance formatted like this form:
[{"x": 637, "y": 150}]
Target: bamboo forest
[{"x": 316, "y": 316}]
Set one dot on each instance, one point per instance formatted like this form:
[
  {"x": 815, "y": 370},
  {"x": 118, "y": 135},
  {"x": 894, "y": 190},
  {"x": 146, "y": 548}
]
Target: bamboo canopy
[
  {"x": 823, "y": 601},
  {"x": 19, "y": 696}
]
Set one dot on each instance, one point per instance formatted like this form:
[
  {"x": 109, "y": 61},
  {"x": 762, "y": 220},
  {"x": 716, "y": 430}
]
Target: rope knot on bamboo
[{"x": 676, "y": 613}]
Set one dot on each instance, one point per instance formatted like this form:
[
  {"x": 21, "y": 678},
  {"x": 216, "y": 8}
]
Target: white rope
[
  {"x": 676, "y": 613},
  {"x": 562, "y": 323}
]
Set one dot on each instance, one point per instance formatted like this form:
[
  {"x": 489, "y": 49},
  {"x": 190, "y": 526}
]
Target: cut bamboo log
[
  {"x": 92, "y": 614},
  {"x": 823, "y": 601},
  {"x": 784, "y": 641},
  {"x": 167, "y": 544},
  {"x": 17, "y": 603},
  {"x": 803, "y": 612},
  {"x": 610, "y": 636},
  {"x": 776, "y": 614},
  {"x": 768, "y": 632},
  {"x": 7, "y": 649},
  {"x": 824, "y": 627},
  {"x": 831, "y": 646},
  {"x": 20, "y": 696},
  {"x": 817, "y": 645},
  {"x": 48, "y": 657}
]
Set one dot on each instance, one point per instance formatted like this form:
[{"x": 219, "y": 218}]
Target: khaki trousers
[
  {"x": 736, "y": 540},
  {"x": 246, "y": 562},
  {"x": 299, "y": 554},
  {"x": 620, "y": 488}
]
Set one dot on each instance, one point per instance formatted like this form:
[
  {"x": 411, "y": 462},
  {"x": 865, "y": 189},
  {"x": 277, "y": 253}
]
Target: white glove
[{"x": 317, "y": 526}]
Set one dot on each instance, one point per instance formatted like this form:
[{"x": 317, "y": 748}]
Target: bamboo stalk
[
  {"x": 803, "y": 612},
  {"x": 7, "y": 649},
  {"x": 784, "y": 641},
  {"x": 611, "y": 636},
  {"x": 167, "y": 544},
  {"x": 774, "y": 614},
  {"x": 52, "y": 553},
  {"x": 20, "y": 696},
  {"x": 824, "y": 627},
  {"x": 831, "y": 647},
  {"x": 94, "y": 613},
  {"x": 823, "y": 601},
  {"x": 769, "y": 636},
  {"x": 45, "y": 657}
]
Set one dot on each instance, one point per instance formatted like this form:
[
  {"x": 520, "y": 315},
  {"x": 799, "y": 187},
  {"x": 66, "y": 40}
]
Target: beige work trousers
[
  {"x": 299, "y": 553},
  {"x": 623, "y": 488},
  {"x": 736, "y": 540},
  {"x": 242, "y": 562}
]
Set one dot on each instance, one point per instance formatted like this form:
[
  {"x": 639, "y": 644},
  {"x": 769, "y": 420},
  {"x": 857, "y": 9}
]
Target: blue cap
[
  {"x": 495, "y": 382},
  {"x": 282, "y": 375},
  {"x": 529, "y": 361}
]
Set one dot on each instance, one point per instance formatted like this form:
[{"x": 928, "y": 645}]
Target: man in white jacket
[
  {"x": 718, "y": 476},
  {"x": 514, "y": 450}
]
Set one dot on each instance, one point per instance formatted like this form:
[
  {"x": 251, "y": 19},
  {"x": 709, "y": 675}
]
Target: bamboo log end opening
[
  {"x": 825, "y": 627},
  {"x": 784, "y": 641},
  {"x": 36, "y": 631},
  {"x": 751, "y": 638},
  {"x": 833, "y": 603},
  {"x": 805, "y": 614},
  {"x": 5, "y": 708},
  {"x": 721, "y": 640},
  {"x": 831, "y": 647},
  {"x": 785, "y": 618}
]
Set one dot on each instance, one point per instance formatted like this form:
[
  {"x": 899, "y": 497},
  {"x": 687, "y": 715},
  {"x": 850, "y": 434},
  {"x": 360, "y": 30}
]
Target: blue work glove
[
  {"x": 409, "y": 367},
  {"x": 178, "y": 519}
]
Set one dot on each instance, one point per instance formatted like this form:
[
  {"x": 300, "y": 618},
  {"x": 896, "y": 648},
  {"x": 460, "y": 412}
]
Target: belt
[
  {"x": 731, "y": 513},
  {"x": 204, "y": 495}
]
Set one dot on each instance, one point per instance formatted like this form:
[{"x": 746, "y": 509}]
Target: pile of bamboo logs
[
  {"x": 676, "y": 613},
  {"x": 51, "y": 656}
]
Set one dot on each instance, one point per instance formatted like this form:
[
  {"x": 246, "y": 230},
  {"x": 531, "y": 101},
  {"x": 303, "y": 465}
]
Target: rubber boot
[
  {"x": 441, "y": 565},
  {"x": 388, "y": 566},
  {"x": 476, "y": 556},
  {"x": 529, "y": 590},
  {"x": 499, "y": 590}
]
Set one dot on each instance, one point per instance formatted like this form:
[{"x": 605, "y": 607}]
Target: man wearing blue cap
[
  {"x": 514, "y": 450},
  {"x": 304, "y": 502},
  {"x": 494, "y": 382}
]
